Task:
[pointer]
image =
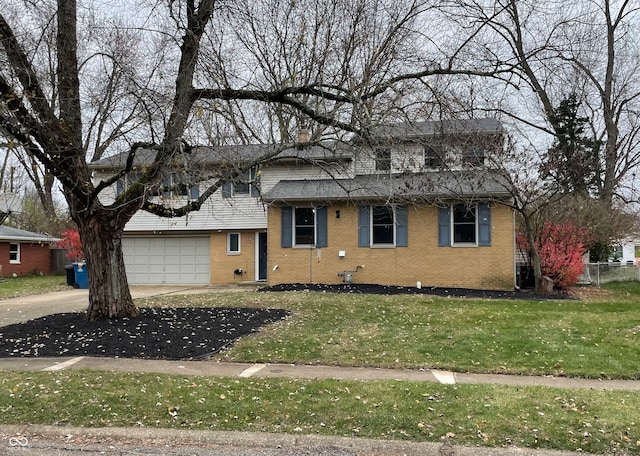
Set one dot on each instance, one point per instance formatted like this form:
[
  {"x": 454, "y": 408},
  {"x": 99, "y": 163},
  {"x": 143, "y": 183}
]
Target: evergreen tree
[{"x": 572, "y": 162}]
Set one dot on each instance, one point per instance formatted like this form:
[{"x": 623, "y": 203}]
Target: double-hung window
[
  {"x": 14, "y": 253},
  {"x": 382, "y": 226},
  {"x": 174, "y": 186},
  {"x": 383, "y": 159},
  {"x": 247, "y": 183},
  {"x": 464, "y": 225},
  {"x": 433, "y": 157},
  {"x": 304, "y": 226},
  {"x": 473, "y": 155}
]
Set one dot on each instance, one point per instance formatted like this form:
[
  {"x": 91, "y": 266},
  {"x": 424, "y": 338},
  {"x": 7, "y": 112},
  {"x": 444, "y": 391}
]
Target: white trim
[
  {"x": 395, "y": 230},
  {"x": 453, "y": 238},
  {"x": 17, "y": 260},
  {"x": 293, "y": 228}
]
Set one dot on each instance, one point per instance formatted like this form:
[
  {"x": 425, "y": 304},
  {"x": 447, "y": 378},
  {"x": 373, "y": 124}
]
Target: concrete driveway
[{"x": 17, "y": 310}]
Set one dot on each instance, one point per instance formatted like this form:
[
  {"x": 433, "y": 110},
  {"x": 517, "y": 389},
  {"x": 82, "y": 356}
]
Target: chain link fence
[{"x": 599, "y": 273}]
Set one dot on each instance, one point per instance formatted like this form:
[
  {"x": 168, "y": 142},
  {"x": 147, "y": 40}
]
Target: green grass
[
  {"x": 13, "y": 287},
  {"x": 593, "y": 338},
  {"x": 486, "y": 415}
]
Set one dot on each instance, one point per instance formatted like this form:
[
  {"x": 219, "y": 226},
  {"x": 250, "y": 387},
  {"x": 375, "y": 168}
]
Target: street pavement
[{"x": 54, "y": 440}]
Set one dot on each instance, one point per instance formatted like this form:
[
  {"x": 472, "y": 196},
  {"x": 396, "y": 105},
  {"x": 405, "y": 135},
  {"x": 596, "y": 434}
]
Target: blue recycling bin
[{"x": 82, "y": 279}]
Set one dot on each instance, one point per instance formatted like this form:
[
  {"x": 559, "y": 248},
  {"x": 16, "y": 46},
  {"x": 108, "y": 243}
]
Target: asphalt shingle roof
[
  {"x": 422, "y": 186},
  {"x": 202, "y": 155},
  {"x": 330, "y": 150},
  {"x": 9, "y": 233}
]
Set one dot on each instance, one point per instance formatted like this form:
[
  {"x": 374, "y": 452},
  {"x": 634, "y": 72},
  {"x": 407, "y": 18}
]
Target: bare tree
[
  {"x": 99, "y": 98},
  {"x": 588, "y": 50}
]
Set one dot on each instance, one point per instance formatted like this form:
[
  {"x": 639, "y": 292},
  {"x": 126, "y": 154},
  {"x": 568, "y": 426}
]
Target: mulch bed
[
  {"x": 395, "y": 290},
  {"x": 159, "y": 333}
]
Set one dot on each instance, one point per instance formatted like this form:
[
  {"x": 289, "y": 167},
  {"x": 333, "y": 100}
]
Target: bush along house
[{"x": 412, "y": 205}]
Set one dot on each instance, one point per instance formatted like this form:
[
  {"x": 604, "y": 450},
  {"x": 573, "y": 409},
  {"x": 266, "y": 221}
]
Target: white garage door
[{"x": 171, "y": 260}]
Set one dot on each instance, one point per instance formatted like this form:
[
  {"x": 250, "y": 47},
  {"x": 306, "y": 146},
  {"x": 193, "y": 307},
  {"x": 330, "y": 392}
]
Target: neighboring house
[
  {"x": 415, "y": 204},
  {"x": 625, "y": 251},
  {"x": 23, "y": 252}
]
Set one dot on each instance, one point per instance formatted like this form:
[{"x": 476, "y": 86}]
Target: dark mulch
[
  {"x": 173, "y": 334},
  {"x": 395, "y": 290}
]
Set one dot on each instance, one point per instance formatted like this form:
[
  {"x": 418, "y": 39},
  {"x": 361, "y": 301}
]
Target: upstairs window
[
  {"x": 176, "y": 185},
  {"x": 433, "y": 157},
  {"x": 248, "y": 183},
  {"x": 473, "y": 155},
  {"x": 383, "y": 159}
]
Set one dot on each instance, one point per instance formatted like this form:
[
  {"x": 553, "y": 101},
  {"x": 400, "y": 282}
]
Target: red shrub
[
  {"x": 72, "y": 244},
  {"x": 560, "y": 247}
]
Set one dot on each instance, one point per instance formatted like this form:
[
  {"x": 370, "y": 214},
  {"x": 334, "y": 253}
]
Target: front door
[{"x": 262, "y": 256}]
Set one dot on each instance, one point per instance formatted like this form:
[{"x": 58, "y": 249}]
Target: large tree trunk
[{"x": 109, "y": 295}]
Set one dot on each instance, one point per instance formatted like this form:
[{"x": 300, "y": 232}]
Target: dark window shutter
[
  {"x": 227, "y": 189},
  {"x": 194, "y": 191},
  {"x": 444, "y": 226},
  {"x": 286, "y": 226},
  {"x": 119, "y": 186},
  {"x": 402, "y": 228},
  {"x": 321, "y": 226},
  {"x": 484, "y": 224},
  {"x": 364, "y": 219},
  {"x": 166, "y": 188}
]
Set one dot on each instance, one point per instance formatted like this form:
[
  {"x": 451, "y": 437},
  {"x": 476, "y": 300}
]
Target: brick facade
[
  {"x": 224, "y": 265},
  {"x": 34, "y": 258},
  {"x": 490, "y": 267}
]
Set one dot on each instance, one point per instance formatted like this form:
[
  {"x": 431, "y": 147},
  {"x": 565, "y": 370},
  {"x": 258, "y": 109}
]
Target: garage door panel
[{"x": 167, "y": 260}]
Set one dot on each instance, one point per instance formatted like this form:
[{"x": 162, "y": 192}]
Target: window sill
[
  {"x": 14, "y": 262},
  {"x": 233, "y": 253},
  {"x": 383, "y": 246}
]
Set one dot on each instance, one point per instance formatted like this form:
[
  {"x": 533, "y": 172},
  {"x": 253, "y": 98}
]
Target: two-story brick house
[{"x": 413, "y": 203}]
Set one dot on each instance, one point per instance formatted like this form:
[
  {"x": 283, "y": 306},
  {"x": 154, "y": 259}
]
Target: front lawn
[
  {"x": 13, "y": 287},
  {"x": 596, "y": 337}
]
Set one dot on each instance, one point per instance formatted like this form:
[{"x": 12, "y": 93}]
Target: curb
[{"x": 122, "y": 439}]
